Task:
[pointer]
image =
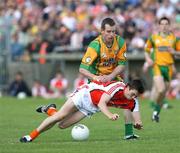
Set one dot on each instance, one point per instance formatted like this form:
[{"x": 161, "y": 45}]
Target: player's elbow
[
  {"x": 81, "y": 70},
  {"x": 101, "y": 105}
]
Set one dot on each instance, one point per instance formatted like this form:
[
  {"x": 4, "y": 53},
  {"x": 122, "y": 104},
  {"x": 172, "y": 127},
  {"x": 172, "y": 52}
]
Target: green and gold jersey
[
  {"x": 158, "y": 46},
  {"x": 102, "y": 60}
]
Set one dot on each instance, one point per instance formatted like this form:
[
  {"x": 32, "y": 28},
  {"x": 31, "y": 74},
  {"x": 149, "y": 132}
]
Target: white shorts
[
  {"x": 136, "y": 108},
  {"x": 82, "y": 100}
]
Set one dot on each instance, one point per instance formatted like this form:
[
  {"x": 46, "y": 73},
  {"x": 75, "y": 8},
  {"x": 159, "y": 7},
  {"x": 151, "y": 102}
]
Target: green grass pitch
[{"x": 18, "y": 118}]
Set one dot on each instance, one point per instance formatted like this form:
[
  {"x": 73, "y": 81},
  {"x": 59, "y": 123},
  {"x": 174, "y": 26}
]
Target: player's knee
[
  {"x": 62, "y": 126},
  {"x": 161, "y": 91},
  {"x": 57, "y": 118}
]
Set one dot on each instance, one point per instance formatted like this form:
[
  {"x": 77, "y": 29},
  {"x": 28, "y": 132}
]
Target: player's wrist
[
  {"x": 111, "y": 77},
  {"x": 95, "y": 78}
]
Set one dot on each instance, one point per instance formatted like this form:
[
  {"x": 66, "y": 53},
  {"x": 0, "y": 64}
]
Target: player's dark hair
[
  {"x": 164, "y": 18},
  {"x": 137, "y": 84},
  {"x": 108, "y": 21}
]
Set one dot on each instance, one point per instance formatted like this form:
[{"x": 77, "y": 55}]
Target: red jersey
[{"x": 115, "y": 90}]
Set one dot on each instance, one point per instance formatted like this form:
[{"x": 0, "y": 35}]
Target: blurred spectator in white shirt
[
  {"x": 39, "y": 90},
  {"x": 58, "y": 85},
  {"x": 165, "y": 9},
  {"x": 77, "y": 37},
  {"x": 137, "y": 43},
  {"x": 69, "y": 20}
]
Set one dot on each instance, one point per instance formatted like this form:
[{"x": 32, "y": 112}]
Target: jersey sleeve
[
  {"x": 91, "y": 55},
  {"x": 121, "y": 56},
  {"x": 149, "y": 45}
]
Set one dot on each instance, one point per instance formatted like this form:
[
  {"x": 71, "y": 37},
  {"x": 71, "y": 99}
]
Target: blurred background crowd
[{"x": 52, "y": 25}]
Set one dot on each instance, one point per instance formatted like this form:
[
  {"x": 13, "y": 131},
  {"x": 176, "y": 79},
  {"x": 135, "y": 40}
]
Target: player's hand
[
  {"x": 105, "y": 78},
  {"x": 145, "y": 67},
  {"x": 114, "y": 117},
  {"x": 138, "y": 126},
  {"x": 97, "y": 78},
  {"x": 150, "y": 62},
  {"x": 171, "y": 50}
]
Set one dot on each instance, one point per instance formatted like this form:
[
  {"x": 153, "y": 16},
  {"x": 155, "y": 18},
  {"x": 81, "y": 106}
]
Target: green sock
[
  {"x": 152, "y": 104},
  {"x": 165, "y": 101},
  {"x": 128, "y": 129},
  {"x": 157, "y": 108}
]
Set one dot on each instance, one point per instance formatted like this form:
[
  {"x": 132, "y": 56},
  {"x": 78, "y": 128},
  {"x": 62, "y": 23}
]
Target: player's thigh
[
  {"x": 167, "y": 83},
  {"x": 128, "y": 116},
  {"x": 71, "y": 119},
  {"x": 159, "y": 83},
  {"x": 67, "y": 109},
  {"x": 153, "y": 91}
]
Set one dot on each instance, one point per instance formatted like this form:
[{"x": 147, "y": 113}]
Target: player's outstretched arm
[
  {"x": 137, "y": 120},
  {"x": 105, "y": 98},
  {"x": 86, "y": 73},
  {"x": 174, "y": 52}
]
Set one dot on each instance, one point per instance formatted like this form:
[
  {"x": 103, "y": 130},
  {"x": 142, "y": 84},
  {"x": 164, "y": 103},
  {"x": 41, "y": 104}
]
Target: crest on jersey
[
  {"x": 88, "y": 59},
  {"x": 103, "y": 55}
]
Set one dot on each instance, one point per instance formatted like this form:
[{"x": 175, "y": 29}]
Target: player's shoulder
[
  {"x": 120, "y": 39},
  {"x": 153, "y": 35},
  {"x": 116, "y": 84},
  {"x": 95, "y": 43},
  {"x": 171, "y": 34},
  {"x": 121, "y": 84}
]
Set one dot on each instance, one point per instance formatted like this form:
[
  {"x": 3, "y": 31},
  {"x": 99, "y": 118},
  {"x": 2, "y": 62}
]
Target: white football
[
  {"x": 21, "y": 95},
  {"x": 80, "y": 132}
]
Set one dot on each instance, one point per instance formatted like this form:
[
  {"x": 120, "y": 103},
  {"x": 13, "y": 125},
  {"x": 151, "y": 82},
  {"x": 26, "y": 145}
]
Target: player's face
[
  {"x": 164, "y": 26},
  {"x": 108, "y": 33},
  {"x": 130, "y": 93}
]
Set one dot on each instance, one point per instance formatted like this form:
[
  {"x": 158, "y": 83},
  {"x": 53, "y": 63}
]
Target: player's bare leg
[
  {"x": 67, "y": 109},
  {"x": 71, "y": 119},
  {"x": 159, "y": 95},
  {"x": 129, "y": 134}
]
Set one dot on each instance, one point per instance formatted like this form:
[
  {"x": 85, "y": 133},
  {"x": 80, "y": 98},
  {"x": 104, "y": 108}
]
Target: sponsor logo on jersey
[
  {"x": 109, "y": 62},
  {"x": 163, "y": 48},
  {"x": 103, "y": 55}
]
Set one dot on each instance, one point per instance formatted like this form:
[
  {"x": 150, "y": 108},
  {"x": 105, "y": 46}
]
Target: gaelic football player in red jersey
[{"x": 87, "y": 100}]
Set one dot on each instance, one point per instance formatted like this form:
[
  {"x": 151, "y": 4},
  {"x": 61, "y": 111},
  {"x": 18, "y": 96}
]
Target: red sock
[
  {"x": 34, "y": 134},
  {"x": 51, "y": 111}
]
